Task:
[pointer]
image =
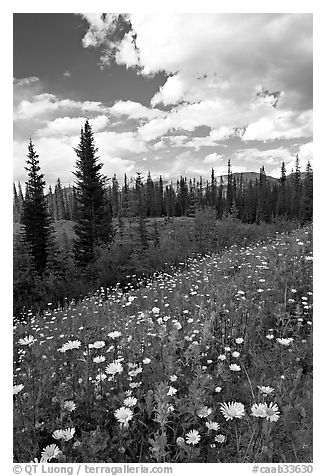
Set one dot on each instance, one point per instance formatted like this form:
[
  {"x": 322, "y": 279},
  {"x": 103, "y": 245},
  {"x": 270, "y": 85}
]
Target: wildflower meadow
[{"x": 211, "y": 362}]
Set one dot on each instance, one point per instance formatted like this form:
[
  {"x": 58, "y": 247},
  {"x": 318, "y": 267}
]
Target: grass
[{"x": 175, "y": 341}]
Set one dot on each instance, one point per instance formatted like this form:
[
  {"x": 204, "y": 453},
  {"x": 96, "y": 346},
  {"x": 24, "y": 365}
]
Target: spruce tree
[
  {"x": 94, "y": 217},
  {"x": 35, "y": 216}
]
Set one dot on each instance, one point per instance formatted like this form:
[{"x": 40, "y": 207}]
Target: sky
[{"x": 167, "y": 93}]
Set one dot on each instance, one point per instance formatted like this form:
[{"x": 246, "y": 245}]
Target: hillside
[{"x": 150, "y": 374}]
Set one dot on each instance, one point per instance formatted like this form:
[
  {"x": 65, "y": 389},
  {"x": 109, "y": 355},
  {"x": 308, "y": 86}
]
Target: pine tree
[
  {"x": 94, "y": 217},
  {"x": 307, "y": 198},
  {"x": 35, "y": 217}
]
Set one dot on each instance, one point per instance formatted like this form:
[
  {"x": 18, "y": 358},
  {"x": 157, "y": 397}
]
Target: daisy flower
[
  {"x": 69, "y": 405},
  {"x": 172, "y": 391},
  {"x": 259, "y": 410},
  {"x": 49, "y": 452},
  {"x": 232, "y": 410},
  {"x": 99, "y": 359},
  {"x": 270, "y": 336},
  {"x": 18, "y": 388},
  {"x": 180, "y": 441},
  {"x": 114, "y": 334},
  {"x": 68, "y": 434},
  {"x": 284, "y": 341},
  {"x": 173, "y": 378},
  {"x": 146, "y": 361},
  {"x": 192, "y": 437},
  {"x": 272, "y": 412},
  {"x": 28, "y": 340},
  {"x": 235, "y": 354},
  {"x": 239, "y": 340},
  {"x": 123, "y": 415},
  {"x": 70, "y": 345},
  {"x": 235, "y": 367},
  {"x": 130, "y": 401},
  {"x": 220, "y": 438},
  {"x": 97, "y": 345},
  {"x": 266, "y": 390},
  {"x": 114, "y": 368},
  {"x": 100, "y": 377},
  {"x": 204, "y": 412},
  {"x": 212, "y": 425},
  {"x": 221, "y": 357},
  {"x": 57, "y": 434}
]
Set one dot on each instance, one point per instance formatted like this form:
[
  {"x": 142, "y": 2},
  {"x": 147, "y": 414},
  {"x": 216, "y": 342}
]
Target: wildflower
[
  {"x": 180, "y": 441},
  {"x": 272, "y": 412},
  {"x": 212, "y": 425},
  {"x": 270, "y": 336},
  {"x": 227, "y": 349},
  {"x": 49, "y": 452},
  {"x": 259, "y": 410},
  {"x": 235, "y": 354},
  {"x": 71, "y": 344},
  {"x": 239, "y": 340},
  {"x": 18, "y": 388},
  {"x": 99, "y": 359},
  {"x": 172, "y": 391},
  {"x": 130, "y": 401},
  {"x": 170, "y": 408},
  {"x": 146, "y": 361},
  {"x": 177, "y": 325},
  {"x": 235, "y": 367},
  {"x": 204, "y": 412},
  {"x": 69, "y": 405},
  {"x": 219, "y": 438},
  {"x": 218, "y": 389},
  {"x": 28, "y": 340},
  {"x": 221, "y": 357},
  {"x": 100, "y": 377},
  {"x": 232, "y": 410},
  {"x": 57, "y": 434},
  {"x": 97, "y": 345},
  {"x": 284, "y": 341},
  {"x": 192, "y": 437},
  {"x": 173, "y": 378},
  {"x": 64, "y": 435},
  {"x": 156, "y": 310},
  {"x": 266, "y": 390},
  {"x": 114, "y": 334},
  {"x": 123, "y": 415},
  {"x": 114, "y": 368}
]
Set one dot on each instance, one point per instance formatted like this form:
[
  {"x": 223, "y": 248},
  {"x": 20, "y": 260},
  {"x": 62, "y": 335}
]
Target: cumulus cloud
[
  {"x": 270, "y": 49},
  {"x": 228, "y": 70},
  {"x": 170, "y": 93},
  {"x": 45, "y": 103},
  {"x": 213, "y": 158},
  {"x": 134, "y": 110},
  {"x": 71, "y": 126}
]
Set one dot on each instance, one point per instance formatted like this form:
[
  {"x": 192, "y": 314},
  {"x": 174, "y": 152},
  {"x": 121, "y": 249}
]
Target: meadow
[{"x": 211, "y": 362}]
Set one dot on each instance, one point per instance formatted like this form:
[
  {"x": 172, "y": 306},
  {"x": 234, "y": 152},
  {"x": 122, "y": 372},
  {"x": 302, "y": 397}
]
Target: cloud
[
  {"x": 45, "y": 103},
  {"x": 306, "y": 152},
  {"x": 213, "y": 158},
  {"x": 170, "y": 93},
  {"x": 285, "y": 126},
  {"x": 216, "y": 53},
  {"x": 134, "y": 110},
  {"x": 100, "y": 26},
  {"x": 70, "y": 126},
  {"x": 228, "y": 70}
]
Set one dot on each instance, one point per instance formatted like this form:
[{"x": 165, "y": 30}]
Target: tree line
[{"x": 111, "y": 221}]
